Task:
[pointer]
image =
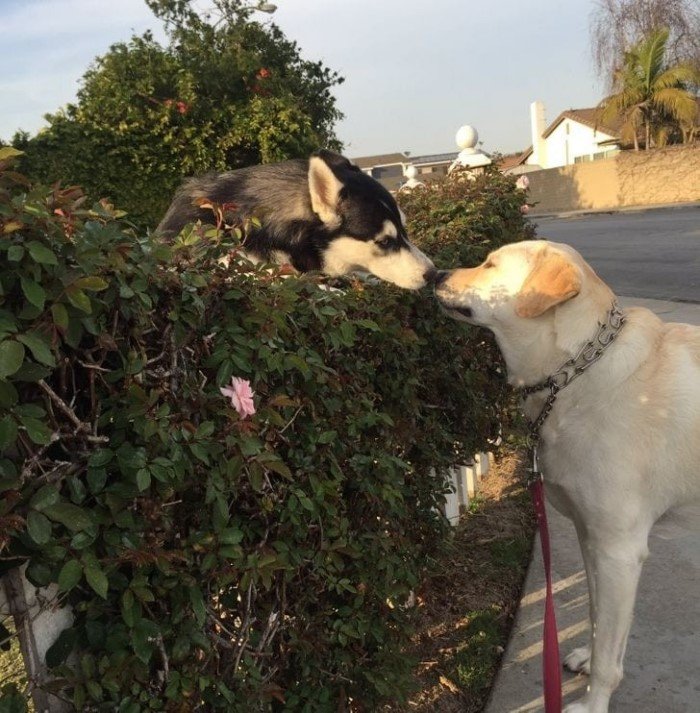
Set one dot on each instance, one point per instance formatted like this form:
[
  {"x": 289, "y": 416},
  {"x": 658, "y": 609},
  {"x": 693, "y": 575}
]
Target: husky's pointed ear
[
  {"x": 336, "y": 161},
  {"x": 324, "y": 189},
  {"x": 554, "y": 279}
]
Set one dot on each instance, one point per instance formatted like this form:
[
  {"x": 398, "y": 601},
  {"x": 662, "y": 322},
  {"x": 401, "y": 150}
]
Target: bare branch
[
  {"x": 67, "y": 410},
  {"x": 243, "y": 636},
  {"x": 616, "y": 25}
]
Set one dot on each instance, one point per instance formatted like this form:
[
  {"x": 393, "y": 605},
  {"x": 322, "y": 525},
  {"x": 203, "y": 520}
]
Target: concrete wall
[
  {"x": 669, "y": 175},
  {"x": 593, "y": 185}
]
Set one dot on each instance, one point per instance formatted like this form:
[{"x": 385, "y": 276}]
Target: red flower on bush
[
  {"x": 181, "y": 106},
  {"x": 264, "y": 73}
]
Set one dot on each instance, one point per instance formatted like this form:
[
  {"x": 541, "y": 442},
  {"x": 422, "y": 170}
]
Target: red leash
[{"x": 551, "y": 668}]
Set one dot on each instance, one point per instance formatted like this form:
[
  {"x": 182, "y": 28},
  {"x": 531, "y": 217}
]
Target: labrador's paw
[
  {"x": 579, "y": 660},
  {"x": 586, "y": 705},
  {"x": 577, "y": 707}
]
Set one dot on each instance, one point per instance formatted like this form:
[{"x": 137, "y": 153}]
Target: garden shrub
[{"x": 215, "y": 562}]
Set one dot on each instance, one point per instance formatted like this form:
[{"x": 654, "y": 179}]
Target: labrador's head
[
  {"x": 540, "y": 299},
  {"x": 520, "y": 281}
]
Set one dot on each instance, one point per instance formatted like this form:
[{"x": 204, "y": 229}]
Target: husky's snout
[
  {"x": 438, "y": 277},
  {"x": 408, "y": 267},
  {"x": 430, "y": 275}
]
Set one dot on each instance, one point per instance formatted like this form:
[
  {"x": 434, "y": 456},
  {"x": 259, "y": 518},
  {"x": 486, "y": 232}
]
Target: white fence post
[
  {"x": 452, "y": 499},
  {"x": 464, "y": 482},
  {"x": 38, "y": 620},
  {"x": 470, "y": 478},
  {"x": 482, "y": 463}
]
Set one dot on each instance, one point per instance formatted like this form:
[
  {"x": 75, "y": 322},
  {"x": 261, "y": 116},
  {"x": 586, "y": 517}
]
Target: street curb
[{"x": 613, "y": 211}]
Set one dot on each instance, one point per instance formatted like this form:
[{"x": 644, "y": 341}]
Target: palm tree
[{"x": 650, "y": 94}]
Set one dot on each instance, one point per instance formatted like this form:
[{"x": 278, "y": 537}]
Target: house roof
[
  {"x": 590, "y": 118},
  {"x": 512, "y": 160},
  {"x": 433, "y": 158},
  {"x": 384, "y": 159},
  {"x": 388, "y": 159},
  {"x": 587, "y": 117}
]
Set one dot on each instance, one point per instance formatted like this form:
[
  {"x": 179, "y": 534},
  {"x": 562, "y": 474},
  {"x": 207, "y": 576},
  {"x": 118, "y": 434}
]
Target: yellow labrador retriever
[{"x": 620, "y": 449}]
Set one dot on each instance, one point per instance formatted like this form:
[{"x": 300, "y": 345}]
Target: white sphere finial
[
  {"x": 466, "y": 137},
  {"x": 469, "y": 156},
  {"x": 410, "y": 172}
]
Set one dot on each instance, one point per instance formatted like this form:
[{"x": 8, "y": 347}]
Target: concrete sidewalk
[{"x": 662, "y": 673}]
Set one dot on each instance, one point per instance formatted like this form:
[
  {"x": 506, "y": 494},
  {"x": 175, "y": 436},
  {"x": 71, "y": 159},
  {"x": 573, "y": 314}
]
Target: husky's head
[{"x": 365, "y": 226}]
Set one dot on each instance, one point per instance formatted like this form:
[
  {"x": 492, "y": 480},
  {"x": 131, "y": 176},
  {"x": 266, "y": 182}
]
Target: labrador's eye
[{"x": 488, "y": 265}]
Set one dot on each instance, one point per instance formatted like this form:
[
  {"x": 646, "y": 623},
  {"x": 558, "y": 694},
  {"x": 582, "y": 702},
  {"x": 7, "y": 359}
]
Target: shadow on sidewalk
[{"x": 661, "y": 672}]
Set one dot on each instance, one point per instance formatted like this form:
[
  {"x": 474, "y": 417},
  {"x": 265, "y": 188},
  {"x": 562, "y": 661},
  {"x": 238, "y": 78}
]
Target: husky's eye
[{"x": 385, "y": 242}]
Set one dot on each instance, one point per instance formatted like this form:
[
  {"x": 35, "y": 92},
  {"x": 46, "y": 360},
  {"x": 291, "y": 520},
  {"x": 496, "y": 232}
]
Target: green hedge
[{"x": 213, "y": 562}]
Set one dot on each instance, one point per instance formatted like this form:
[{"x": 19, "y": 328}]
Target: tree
[
  {"x": 650, "y": 93},
  {"x": 227, "y": 91},
  {"x": 617, "y": 25}
]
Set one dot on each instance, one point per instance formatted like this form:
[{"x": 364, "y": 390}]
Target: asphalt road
[{"x": 650, "y": 253}]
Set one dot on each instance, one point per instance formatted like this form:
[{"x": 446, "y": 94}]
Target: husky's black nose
[
  {"x": 430, "y": 275},
  {"x": 439, "y": 277}
]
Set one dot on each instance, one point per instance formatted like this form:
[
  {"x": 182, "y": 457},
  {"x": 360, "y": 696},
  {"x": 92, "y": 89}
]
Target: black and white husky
[{"x": 321, "y": 213}]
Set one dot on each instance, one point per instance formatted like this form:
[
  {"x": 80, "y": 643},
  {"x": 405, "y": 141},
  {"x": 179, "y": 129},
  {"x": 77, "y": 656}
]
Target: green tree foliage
[
  {"x": 213, "y": 562},
  {"x": 227, "y": 91},
  {"x": 652, "y": 96}
]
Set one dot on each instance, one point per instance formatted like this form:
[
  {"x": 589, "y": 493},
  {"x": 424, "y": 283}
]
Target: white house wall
[{"x": 571, "y": 139}]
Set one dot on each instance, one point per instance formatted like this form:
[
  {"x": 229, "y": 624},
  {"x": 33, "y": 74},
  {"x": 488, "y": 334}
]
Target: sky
[{"x": 415, "y": 70}]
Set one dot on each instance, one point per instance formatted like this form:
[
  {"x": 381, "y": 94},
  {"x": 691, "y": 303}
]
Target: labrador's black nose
[{"x": 439, "y": 277}]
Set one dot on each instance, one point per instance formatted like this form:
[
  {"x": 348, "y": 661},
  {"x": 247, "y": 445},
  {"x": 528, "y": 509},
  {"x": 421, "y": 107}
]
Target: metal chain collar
[{"x": 589, "y": 353}]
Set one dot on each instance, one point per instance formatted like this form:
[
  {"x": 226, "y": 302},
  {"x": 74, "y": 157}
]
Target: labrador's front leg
[
  {"x": 615, "y": 566},
  {"x": 579, "y": 660}
]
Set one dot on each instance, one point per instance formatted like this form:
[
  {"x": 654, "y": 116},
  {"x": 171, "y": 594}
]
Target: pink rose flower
[
  {"x": 524, "y": 208},
  {"x": 241, "y": 395},
  {"x": 522, "y": 183}
]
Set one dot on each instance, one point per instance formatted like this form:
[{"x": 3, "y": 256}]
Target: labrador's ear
[
  {"x": 324, "y": 189},
  {"x": 554, "y": 279}
]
